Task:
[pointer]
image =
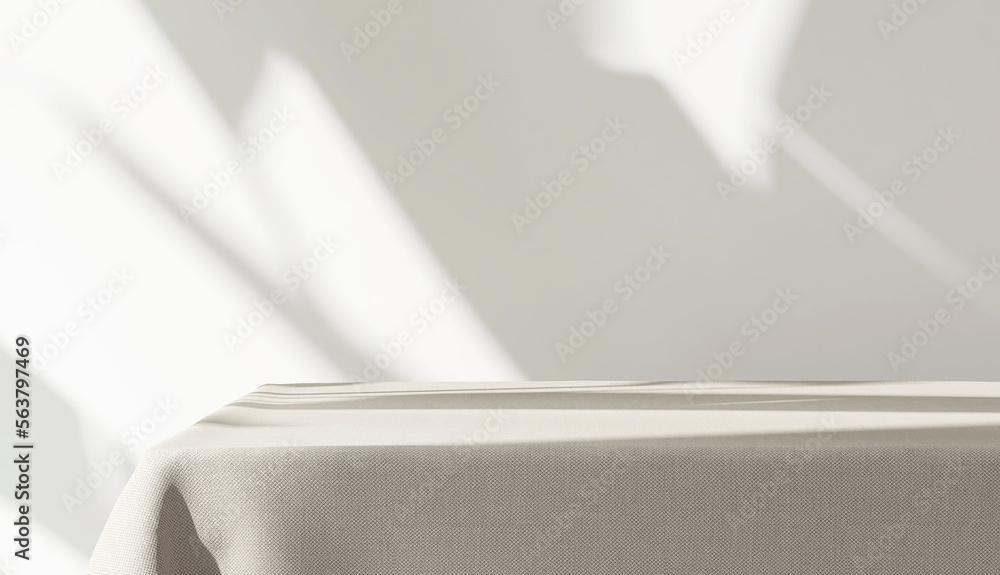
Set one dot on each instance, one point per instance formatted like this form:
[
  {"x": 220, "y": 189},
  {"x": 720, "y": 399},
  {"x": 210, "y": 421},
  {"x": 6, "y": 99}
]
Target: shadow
[
  {"x": 179, "y": 551},
  {"x": 302, "y": 311},
  {"x": 552, "y": 100},
  {"x": 893, "y": 93},
  {"x": 656, "y": 185}
]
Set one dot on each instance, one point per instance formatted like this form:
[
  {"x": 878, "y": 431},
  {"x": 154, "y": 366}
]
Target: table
[{"x": 626, "y": 478}]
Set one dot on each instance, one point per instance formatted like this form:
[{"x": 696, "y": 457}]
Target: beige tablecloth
[{"x": 576, "y": 478}]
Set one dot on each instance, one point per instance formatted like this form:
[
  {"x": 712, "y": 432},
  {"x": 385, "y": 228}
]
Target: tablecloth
[{"x": 627, "y": 478}]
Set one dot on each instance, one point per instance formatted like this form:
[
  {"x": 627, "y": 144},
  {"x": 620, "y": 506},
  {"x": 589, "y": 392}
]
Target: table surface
[
  {"x": 735, "y": 413},
  {"x": 623, "y": 478}
]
